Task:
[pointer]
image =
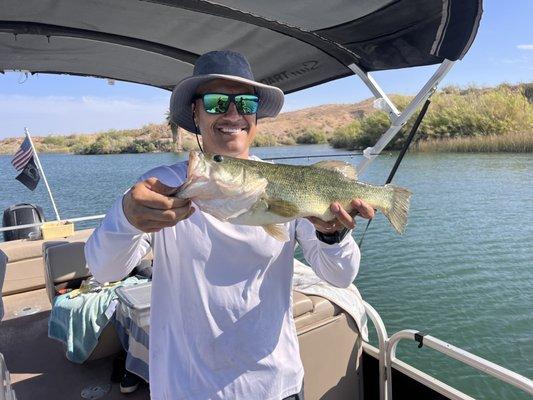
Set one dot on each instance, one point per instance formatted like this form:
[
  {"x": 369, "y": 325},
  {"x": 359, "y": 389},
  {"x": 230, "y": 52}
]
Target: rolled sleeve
[
  {"x": 116, "y": 246},
  {"x": 336, "y": 263}
]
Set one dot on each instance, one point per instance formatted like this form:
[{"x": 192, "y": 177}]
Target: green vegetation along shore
[
  {"x": 497, "y": 119},
  {"x": 458, "y": 120}
]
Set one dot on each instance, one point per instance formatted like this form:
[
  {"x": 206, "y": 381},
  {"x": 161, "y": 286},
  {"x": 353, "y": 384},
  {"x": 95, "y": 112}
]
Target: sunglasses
[{"x": 218, "y": 103}]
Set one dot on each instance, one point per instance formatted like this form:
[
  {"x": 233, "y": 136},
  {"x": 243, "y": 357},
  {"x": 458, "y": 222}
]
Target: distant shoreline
[
  {"x": 510, "y": 143},
  {"x": 472, "y": 119}
]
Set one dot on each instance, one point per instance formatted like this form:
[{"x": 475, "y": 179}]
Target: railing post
[{"x": 382, "y": 343}]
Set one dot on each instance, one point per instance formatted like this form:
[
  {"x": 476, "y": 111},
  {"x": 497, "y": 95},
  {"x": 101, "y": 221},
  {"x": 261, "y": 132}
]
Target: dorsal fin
[{"x": 348, "y": 170}]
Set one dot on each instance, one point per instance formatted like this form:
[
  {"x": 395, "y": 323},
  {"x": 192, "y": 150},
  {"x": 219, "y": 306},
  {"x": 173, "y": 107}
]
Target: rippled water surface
[{"x": 463, "y": 271}]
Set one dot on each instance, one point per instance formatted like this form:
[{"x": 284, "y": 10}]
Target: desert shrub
[
  {"x": 346, "y": 136},
  {"x": 480, "y": 112},
  {"x": 286, "y": 140},
  {"x": 265, "y": 140},
  {"x": 54, "y": 140},
  {"x": 312, "y": 136},
  {"x": 372, "y": 127},
  {"x": 139, "y": 146}
]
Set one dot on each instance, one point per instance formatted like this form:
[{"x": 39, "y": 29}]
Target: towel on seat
[
  {"x": 307, "y": 282},
  {"x": 78, "y": 317}
]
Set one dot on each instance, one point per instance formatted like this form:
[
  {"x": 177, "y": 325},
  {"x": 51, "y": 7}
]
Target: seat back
[
  {"x": 64, "y": 266},
  {"x": 330, "y": 348}
]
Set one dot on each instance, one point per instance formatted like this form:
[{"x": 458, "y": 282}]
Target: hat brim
[{"x": 270, "y": 98}]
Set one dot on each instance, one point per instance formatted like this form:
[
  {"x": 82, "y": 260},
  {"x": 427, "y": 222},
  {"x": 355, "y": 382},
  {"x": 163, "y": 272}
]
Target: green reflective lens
[
  {"x": 247, "y": 103},
  {"x": 218, "y": 103}
]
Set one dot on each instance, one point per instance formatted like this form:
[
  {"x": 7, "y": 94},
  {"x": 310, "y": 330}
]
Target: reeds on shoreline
[
  {"x": 472, "y": 119},
  {"x": 521, "y": 142}
]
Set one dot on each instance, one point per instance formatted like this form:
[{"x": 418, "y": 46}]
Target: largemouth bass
[{"x": 248, "y": 192}]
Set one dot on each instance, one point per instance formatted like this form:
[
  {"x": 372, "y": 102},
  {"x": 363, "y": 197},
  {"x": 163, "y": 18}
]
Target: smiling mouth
[{"x": 231, "y": 131}]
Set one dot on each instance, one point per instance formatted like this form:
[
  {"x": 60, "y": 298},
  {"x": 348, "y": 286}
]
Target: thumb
[{"x": 157, "y": 186}]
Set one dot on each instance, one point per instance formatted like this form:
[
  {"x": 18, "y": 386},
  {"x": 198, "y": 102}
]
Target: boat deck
[{"x": 38, "y": 366}]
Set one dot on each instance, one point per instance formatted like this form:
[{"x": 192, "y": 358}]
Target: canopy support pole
[
  {"x": 376, "y": 90},
  {"x": 398, "y": 119}
]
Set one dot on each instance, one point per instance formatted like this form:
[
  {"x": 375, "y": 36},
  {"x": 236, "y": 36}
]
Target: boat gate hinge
[{"x": 419, "y": 337}]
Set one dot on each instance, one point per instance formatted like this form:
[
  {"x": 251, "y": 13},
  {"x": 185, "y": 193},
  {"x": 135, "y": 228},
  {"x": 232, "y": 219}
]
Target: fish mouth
[
  {"x": 193, "y": 175},
  {"x": 194, "y": 159}
]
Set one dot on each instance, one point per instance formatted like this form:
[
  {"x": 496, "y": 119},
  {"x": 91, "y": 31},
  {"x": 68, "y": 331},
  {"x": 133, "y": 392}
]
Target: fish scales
[
  {"x": 250, "y": 192},
  {"x": 312, "y": 190}
]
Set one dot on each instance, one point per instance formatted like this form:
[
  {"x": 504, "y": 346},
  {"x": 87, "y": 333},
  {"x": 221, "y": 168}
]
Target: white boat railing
[
  {"x": 383, "y": 338},
  {"x": 79, "y": 219},
  {"x": 387, "y": 361},
  {"x": 488, "y": 367}
]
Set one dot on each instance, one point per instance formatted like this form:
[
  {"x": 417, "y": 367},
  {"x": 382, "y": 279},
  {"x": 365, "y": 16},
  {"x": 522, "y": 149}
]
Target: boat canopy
[{"x": 290, "y": 44}]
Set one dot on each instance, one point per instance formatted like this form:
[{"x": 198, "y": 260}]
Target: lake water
[{"x": 462, "y": 272}]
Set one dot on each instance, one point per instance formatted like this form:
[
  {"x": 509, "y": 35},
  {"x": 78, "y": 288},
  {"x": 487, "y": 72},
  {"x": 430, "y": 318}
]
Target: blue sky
[{"x": 49, "y": 104}]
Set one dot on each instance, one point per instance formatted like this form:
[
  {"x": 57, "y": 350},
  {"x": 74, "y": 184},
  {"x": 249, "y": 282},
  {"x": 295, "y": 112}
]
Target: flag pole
[{"x": 27, "y": 132}]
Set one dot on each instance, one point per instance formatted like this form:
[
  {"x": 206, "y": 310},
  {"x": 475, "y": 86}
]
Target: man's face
[{"x": 231, "y": 133}]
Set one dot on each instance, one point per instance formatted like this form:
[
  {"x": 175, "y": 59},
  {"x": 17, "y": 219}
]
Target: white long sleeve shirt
[{"x": 221, "y": 324}]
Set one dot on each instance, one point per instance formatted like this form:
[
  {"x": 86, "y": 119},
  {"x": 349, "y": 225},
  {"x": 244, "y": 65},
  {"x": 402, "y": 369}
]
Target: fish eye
[{"x": 218, "y": 158}]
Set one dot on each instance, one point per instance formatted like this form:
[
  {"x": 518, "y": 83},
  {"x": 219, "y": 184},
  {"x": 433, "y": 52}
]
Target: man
[{"x": 221, "y": 310}]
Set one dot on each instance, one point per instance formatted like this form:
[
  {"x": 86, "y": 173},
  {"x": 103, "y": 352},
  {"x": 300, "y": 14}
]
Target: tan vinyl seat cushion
[
  {"x": 17, "y": 250},
  {"x": 309, "y": 310},
  {"x": 330, "y": 348},
  {"x": 24, "y": 269}
]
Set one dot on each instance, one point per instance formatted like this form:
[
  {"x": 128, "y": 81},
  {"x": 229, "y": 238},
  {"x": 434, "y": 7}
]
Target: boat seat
[
  {"x": 330, "y": 344},
  {"x": 65, "y": 267},
  {"x": 24, "y": 267},
  {"x": 330, "y": 349}
]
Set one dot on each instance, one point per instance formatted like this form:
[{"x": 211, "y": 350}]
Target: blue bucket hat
[{"x": 228, "y": 65}]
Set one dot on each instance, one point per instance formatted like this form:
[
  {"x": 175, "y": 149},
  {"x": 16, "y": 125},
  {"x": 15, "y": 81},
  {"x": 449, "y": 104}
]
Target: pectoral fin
[
  {"x": 282, "y": 208},
  {"x": 348, "y": 170},
  {"x": 277, "y": 231}
]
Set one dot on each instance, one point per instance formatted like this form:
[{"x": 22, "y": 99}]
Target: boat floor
[{"x": 37, "y": 364}]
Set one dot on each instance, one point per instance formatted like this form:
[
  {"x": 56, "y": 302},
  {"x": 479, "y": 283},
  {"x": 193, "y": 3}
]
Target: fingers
[
  {"x": 169, "y": 216},
  {"x": 154, "y": 194},
  {"x": 156, "y": 225},
  {"x": 343, "y": 219},
  {"x": 327, "y": 226},
  {"x": 342, "y": 215},
  {"x": 157, "y": 186},
  {"x": 362, "y": 208},
  {"x": 323, "y": 226},
  {"x": 149, "y": 206}
]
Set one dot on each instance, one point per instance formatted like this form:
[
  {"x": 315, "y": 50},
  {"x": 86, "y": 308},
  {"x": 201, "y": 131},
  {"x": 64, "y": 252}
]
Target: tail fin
[{"x": 399, "y": 209}]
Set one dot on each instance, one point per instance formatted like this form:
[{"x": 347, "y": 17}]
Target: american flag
[{"x": 23, "y": 155}]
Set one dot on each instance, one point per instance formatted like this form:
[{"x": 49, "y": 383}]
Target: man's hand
[
  {"x": 149, "y": 206},
  {"x": 343, "y": 218}
]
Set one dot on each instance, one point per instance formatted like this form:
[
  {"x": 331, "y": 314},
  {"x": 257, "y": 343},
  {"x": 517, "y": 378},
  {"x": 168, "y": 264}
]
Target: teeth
[{"x": 230, "y": 130}]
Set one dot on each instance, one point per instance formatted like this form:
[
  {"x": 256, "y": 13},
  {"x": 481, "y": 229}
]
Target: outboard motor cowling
[{"x": 22, "y": 214}]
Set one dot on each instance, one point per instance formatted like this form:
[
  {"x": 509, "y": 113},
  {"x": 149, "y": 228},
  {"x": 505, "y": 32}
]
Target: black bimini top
[{"x": 292, "y": 44}]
